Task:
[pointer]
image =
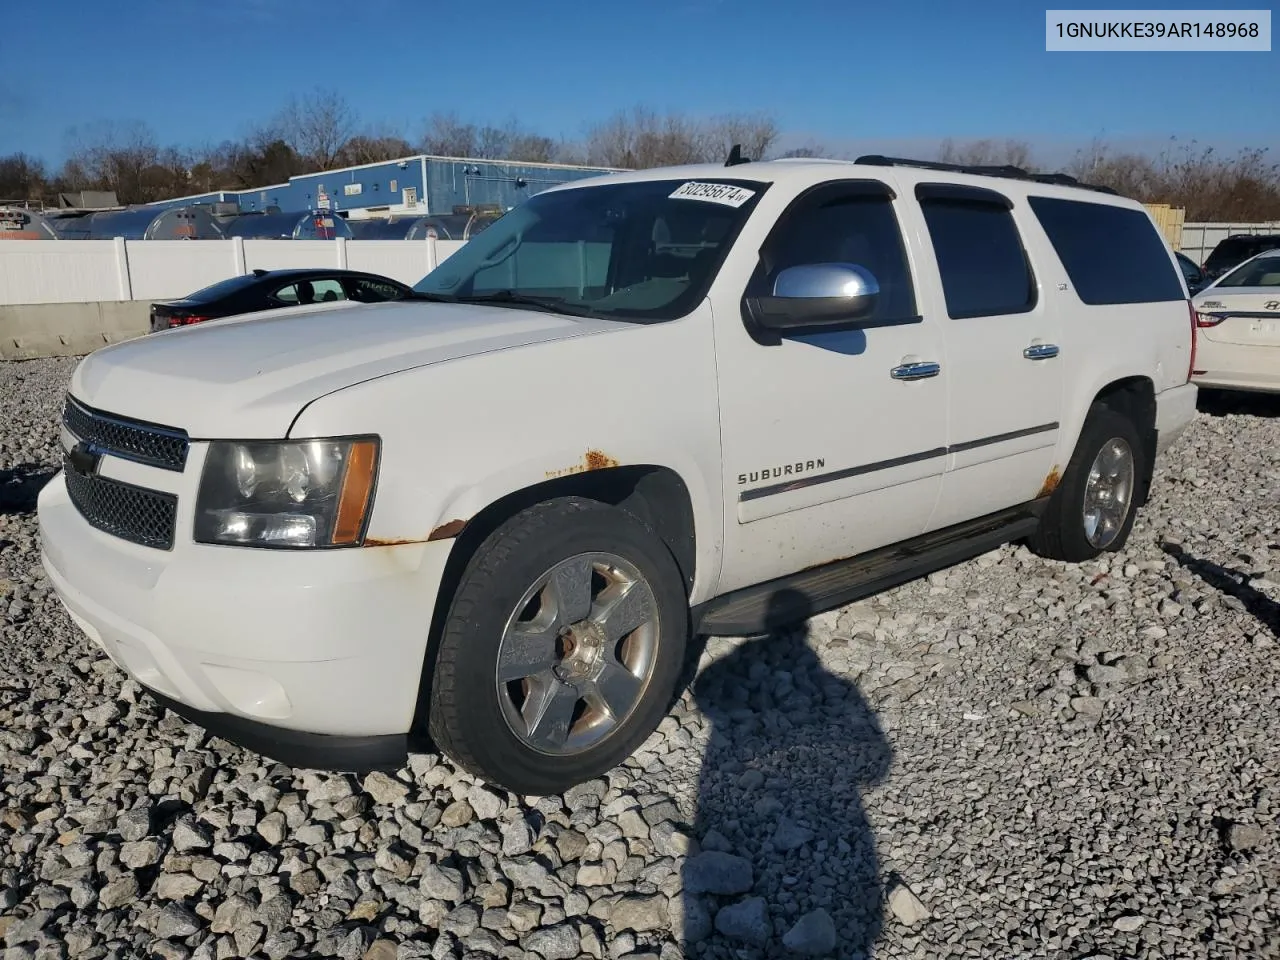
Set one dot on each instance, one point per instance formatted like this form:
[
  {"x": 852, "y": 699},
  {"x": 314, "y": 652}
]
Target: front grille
[
  {"x": 132, "y": 513},
  {"x": 137, "y": 440}
]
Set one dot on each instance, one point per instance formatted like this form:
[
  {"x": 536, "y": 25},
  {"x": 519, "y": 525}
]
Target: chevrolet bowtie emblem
[{"x": 83, "y": 459}]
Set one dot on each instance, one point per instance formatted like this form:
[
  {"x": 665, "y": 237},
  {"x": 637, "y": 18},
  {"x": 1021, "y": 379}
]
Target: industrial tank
[
  {"x": 455, "y": 226},
  {"x": 377, "y": 228},
  {"x": 19, "y": 223},
  {"x": 140, "y": 223},
  {"x": 293, "y": 225}
]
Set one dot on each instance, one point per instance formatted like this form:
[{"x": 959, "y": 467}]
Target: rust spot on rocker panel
[
  {"x": 591, "y": 460},
  {"x": 1050, "y": 483},
  {"x": 447, "y": 531}
]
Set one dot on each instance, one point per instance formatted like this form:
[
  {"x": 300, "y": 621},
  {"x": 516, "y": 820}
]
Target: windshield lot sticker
[{"x": 725, "y": 193}]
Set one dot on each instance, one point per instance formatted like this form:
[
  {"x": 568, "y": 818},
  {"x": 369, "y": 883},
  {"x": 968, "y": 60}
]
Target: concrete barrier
[{"x": 30, "y": 331}]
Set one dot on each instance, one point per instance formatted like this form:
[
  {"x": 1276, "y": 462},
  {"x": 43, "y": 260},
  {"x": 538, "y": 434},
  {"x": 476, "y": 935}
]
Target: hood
[{"x": 248, "y": 376}]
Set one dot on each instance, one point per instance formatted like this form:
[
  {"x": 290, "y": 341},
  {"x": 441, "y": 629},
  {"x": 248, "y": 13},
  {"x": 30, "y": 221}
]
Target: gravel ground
[{"x": 1010, "y": 759}]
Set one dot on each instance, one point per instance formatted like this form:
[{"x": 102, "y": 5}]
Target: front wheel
[
  {"x": 562, "y": 647},
  {"x": 1093, "y": 508}
]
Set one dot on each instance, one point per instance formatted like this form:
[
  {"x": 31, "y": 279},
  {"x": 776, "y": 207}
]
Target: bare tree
[
  {"x": 124, "y": 157},
  {"x": 987, "y": 153},
  {"x": 319, "y": 131},
  {"x": 21, "y": 177},
  {"x": 808, "y": 149},
  {"x": 317, "y": 126},
  {"x": 373, "y": 147},
  {"x": 757, "y": 133},
  {"x": 445, "y": 135}
]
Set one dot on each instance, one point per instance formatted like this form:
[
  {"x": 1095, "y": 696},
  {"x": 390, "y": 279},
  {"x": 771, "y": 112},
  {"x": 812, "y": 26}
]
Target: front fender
[{"x": 459, "y": 435}]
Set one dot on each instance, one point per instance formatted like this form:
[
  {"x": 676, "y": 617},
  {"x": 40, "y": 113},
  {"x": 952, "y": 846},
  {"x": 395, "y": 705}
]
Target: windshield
[
  {"x": 1233, "y": 250},
  {"x": 643, "y": 250},
  {"x": 1263, "y": 272}
]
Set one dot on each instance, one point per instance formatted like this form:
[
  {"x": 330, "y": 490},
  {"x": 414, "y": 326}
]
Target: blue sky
[{"x": 898, "y": 75}]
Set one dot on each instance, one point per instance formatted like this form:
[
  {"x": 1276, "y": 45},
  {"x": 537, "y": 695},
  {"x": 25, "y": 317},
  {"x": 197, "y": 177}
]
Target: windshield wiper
[
  {"x": 510, "y": 296},
  {"x": 504, "y": 297}
]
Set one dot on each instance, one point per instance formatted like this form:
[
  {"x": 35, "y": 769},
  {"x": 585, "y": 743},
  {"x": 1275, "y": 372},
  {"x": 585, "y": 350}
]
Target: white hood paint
[{"x": 249, "y": 376}]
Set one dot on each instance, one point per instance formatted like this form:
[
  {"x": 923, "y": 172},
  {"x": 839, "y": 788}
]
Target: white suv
[{"x": 706, "y": 399}]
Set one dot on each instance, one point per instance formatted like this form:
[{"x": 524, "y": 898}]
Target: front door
[{"x": 832, "y": 443}]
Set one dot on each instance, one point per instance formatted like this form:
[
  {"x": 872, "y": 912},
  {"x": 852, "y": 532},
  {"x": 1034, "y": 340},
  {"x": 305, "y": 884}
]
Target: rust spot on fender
[
  {"x": 1050, "y": 483},
  {"x": 591, "y": 460},
  {"x": 447, "y": 531},
  {"x": 595, "y": 460}
]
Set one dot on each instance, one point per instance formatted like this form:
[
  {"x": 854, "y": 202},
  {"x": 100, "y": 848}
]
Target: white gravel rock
[{"x": 1114, "y": 794}]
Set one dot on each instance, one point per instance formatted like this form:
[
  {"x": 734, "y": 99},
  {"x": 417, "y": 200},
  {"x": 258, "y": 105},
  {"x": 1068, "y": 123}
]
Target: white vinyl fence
[
  {"x": 96, "y": 271},
  {"x": 1199, "y": 239},
  {"x": 88, "y": 271}
]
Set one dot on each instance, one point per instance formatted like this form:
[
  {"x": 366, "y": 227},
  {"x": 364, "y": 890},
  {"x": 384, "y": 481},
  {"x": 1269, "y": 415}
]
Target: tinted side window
[
  {"x": 327, "y": 290},
  {"x": 1112, "y": 254},
  {"x": 859, "y": 229},
  {"x": 310, "y": 291},
  {"x": 984, "y": 267}
]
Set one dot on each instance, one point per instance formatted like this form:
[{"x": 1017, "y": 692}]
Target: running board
[{"x": 794, "y": 598}]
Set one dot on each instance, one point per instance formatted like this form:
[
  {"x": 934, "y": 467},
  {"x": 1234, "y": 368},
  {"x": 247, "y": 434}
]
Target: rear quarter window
[{"x": 1113, "y": 255}]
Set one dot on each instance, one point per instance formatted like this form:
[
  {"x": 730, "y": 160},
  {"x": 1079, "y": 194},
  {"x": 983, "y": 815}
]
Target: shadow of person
[
  {"x": 1231, "y": 582},
  {"x": 792, "y": 746}
]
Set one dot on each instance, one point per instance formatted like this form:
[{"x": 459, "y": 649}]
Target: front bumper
[{"x": 313, "y": 659}]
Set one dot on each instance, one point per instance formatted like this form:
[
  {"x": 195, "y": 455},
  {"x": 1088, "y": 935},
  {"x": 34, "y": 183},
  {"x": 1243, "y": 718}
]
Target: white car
[
  {"x": 1238, "y": 316},
  {"x": 705, "y": 399}
]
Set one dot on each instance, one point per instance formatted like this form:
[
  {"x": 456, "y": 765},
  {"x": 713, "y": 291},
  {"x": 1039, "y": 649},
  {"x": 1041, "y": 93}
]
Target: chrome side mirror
[{"x": 818, "y": 295}]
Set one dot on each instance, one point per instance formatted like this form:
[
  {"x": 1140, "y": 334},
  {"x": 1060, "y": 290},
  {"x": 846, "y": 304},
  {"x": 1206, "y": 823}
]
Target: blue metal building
[{"x": 414, "y": 185}]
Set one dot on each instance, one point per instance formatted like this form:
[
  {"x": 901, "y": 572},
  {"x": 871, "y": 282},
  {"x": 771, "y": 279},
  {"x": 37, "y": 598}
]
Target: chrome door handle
[
  {"x": 1041, "y": 351},
  {"x": 916, "y": 371}
]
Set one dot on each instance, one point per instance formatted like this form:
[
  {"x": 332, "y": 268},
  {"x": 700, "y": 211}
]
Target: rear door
[{"x": 1004, "y": 390}]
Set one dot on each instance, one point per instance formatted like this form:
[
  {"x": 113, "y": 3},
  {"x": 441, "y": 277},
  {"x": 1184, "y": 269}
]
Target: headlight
[{"x": 296, "y": 493}]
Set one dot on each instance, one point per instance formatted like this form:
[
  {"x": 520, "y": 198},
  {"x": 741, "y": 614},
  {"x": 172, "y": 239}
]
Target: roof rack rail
[{"x": 1006, "y": 170}]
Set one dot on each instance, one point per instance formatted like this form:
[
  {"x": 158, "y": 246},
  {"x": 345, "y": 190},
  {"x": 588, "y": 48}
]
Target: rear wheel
[
  {"x": 562, "y": 647},
  {"x": 1092, "y": 510}
]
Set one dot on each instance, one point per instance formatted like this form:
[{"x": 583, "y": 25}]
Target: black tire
[
  {"x": 1061, "y": 533},
  {"x": 465, "y": 714}
]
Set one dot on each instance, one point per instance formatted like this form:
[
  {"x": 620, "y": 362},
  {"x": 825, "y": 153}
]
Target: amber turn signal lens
[{"x": 357, "y": 488}]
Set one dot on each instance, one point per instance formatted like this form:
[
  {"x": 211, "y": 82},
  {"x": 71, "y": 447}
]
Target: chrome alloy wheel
[
  {"x": 577, "y": 653},
  {"x": 1108, "y": 493}
]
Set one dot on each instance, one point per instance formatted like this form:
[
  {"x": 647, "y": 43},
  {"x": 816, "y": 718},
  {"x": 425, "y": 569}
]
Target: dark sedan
[
  {"x": 267, "y": 289},
  {"x": 1191, "y": 272}
]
